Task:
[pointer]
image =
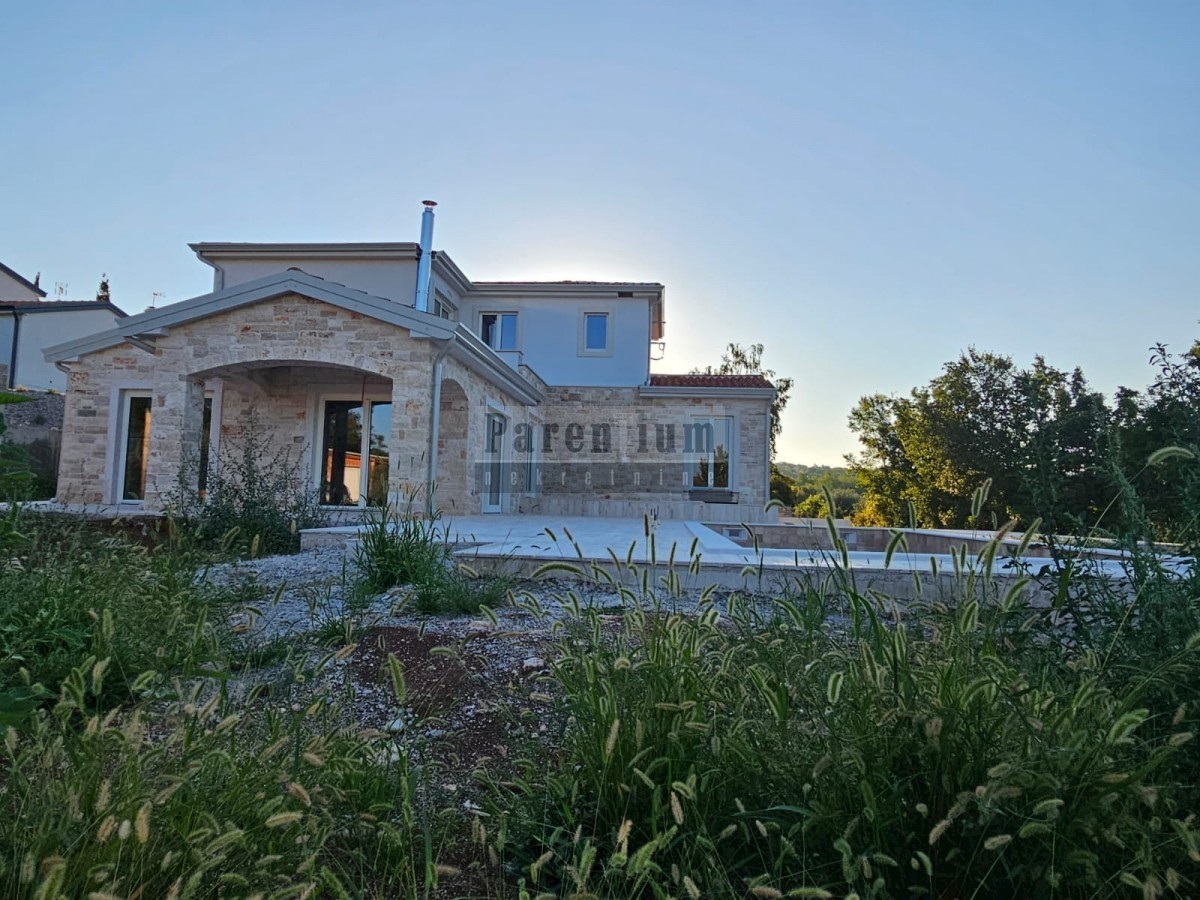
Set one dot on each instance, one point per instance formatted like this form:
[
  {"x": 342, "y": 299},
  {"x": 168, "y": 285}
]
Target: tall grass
[
  {"x": 137, "y": 762},
  {"x": 403, "y": 548},
  {"x": 970, "y": 750}
]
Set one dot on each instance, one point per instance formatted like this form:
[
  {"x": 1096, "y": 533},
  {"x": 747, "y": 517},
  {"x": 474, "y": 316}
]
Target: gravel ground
[{"x": 305, "y": 590}]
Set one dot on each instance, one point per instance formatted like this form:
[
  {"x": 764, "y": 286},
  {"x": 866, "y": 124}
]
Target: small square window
[
  {"x": 499, "y": 330},
  {"x": 595, "y": 335}
]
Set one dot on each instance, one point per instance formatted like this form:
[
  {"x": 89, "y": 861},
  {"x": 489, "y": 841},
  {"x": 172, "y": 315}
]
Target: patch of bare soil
[{"x": 467, "y": 701}]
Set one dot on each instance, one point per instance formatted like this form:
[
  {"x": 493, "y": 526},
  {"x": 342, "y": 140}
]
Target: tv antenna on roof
[
  {"x": 155, "y": 297},
  {"x": 60, "y": 290}
]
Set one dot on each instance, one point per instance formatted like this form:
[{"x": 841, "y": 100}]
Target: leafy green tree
[
  {"x": 739, "y": 360},
  {"x": 1166, "y": 414},
  {"x": 102, "y": 293},
  {"x": 1039, "y": 435}
]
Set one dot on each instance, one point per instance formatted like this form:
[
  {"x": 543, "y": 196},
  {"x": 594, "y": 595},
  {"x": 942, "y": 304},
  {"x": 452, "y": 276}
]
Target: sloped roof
[
  {"x": 20, "y": 279},
  {"x": 61, "y": 305},
  {"x": 711, "y": 381}
]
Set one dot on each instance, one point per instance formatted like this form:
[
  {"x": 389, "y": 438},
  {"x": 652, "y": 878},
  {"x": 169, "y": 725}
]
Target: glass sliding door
[{"x": 354, "y": 452}]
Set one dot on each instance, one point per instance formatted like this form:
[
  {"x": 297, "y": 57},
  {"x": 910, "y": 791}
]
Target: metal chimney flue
[{"x": 426, "y": 261}]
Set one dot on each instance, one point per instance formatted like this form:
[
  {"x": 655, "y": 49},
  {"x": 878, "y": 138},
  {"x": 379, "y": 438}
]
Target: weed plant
[
  {"x": 257, "y": 497},
  {"x": 397, "y": 548}
]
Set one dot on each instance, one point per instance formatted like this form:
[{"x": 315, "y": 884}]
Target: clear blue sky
[{"x": 864, "y": 188}]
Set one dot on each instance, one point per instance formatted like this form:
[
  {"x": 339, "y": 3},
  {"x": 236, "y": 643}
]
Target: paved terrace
[{"x": 522, "y": 543}]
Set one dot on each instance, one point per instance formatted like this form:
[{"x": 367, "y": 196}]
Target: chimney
[{"x": 426, "y": 260}]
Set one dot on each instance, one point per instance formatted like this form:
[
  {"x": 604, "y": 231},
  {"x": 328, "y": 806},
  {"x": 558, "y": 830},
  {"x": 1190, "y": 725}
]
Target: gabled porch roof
[{"x": 142, "y": 329}]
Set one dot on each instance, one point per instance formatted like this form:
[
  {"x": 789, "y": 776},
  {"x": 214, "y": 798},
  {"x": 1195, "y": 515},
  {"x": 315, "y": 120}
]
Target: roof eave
[{"x": 727, "y": 393}]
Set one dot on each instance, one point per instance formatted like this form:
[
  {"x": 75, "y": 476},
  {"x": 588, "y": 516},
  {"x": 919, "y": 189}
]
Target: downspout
[
  {"x": 435, "y": 421},
  {"x": 424, "y": 264}
]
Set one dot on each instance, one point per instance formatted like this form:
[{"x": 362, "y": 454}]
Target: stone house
[{"x": 390, "y": 374}]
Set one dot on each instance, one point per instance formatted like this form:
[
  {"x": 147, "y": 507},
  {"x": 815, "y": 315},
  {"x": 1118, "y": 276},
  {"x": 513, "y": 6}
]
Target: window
[
  {"x": 595, "y": 333},
  {"x": 354, "y": 452},
  {"x": 441, "y": 308},
  {"x": 493, "y": 475},
  {"x": 708, "y": 444},
  {"x": 499, "y": 330},
  {"x": 135, "y": 447}
]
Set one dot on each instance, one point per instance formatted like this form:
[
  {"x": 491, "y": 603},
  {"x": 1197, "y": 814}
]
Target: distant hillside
[
  {"x": 797, "y": 471},
  {"x": 802, "y": 489}
]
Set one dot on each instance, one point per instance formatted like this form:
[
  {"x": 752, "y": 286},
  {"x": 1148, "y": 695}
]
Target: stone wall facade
[
  {"x": 618, "y": 451},
  {"x": 279, "y": 358}
]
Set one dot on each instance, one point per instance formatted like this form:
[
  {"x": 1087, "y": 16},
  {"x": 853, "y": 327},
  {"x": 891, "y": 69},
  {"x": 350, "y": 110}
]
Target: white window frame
[
  {"x": 493, "y": 408},
  {"x": 370, "y": 396},
  {"x": 693, "y": 458},
  {"x": 121, "y": 442},
  {"x": 533, "y": 459},
  {"x": 607, "y": 349},
  {"x": 500, "y": 328},
  {"x": 118, "y": 436}
]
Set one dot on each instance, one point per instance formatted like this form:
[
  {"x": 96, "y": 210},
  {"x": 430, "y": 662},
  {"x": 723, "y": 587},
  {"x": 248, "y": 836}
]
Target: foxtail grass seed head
[
  {"x": 102, "y": 795},
  {"x": 298, "y": 791},
  {"x": 624, "y": 830},
  {"x": 611, "y": 744},
  {"x": 106, "y": 829},
  {"x": 765, "y": 891},
  {"x": 284, "y": 819},
  {"x": 124, "y": 830},
  {"x": 938, "y": 830},
  {"x": 141, "y": 824},
  {"x": 676, "y": 809},
  {"x": 997, "y": 841}
]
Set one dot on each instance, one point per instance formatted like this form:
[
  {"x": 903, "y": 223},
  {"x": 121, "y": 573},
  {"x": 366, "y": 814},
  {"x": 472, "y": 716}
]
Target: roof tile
[{"x": 711, "y": 381}]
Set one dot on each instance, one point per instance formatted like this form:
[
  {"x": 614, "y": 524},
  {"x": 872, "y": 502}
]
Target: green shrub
[
  {"x": 974, "y": 750},
  {"x": 257, "y": 496}
]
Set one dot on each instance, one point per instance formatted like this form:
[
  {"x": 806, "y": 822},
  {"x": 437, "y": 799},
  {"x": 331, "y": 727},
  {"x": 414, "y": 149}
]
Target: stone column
[
  {"x": 408, "y": 464},
  {"x": 176, "y": 423}
]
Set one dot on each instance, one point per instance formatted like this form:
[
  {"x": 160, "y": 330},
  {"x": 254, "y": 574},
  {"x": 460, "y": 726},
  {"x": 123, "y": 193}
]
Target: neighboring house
[
  {"x": 29, "y": 324},
  {"x": 500, "y": 396}
]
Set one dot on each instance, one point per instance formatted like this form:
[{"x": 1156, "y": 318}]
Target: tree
[
  {"x": 738, "y": 360},
  {"x": 1166, "y": 414},
  {"x": 1037, "y": 434},
  {"x": 102, "y": 294}
]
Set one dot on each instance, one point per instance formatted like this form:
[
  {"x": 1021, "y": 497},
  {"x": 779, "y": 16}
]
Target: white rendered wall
[
  {"x": 11, "y": 289},
  {"x": 42, "y": 329},
  {"x": 395, "y": 279},
  {"x": 548, "y": 338},
  {"x": 6, "y": 336}
]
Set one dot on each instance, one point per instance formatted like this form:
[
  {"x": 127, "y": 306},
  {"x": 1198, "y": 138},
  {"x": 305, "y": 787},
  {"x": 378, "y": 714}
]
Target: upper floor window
[
  {"x": 441, "y": 308},
  {"x": 499, "y": 330},
  {"x": 595, "y": 334}
]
